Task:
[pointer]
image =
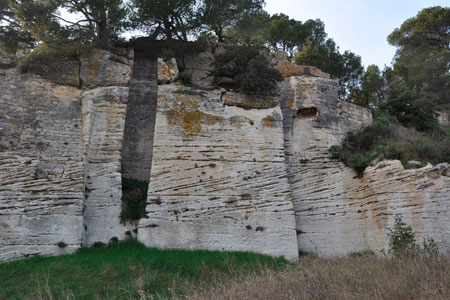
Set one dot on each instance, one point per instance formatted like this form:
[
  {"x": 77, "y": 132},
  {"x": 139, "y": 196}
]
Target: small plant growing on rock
[
  {"x": 185, "y": 77},
  {"x": 335, "y": 151},
  {"x": 402, "y": 239},
  {"x": 61, "y": 244},
  {"x": 134, "y": 199},
  {"x": 402, "y": 242}
]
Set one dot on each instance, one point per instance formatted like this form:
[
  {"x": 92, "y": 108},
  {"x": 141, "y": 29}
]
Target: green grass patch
[{"x": 124, "y": 270}]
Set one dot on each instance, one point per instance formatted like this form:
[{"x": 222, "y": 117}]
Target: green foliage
[
  {"x": 125, "y": 270},
  {"x": 402, "y": 239},
  {"x": 173, "y": 19},
  {"x": 134, "y": 199},
  {"x": 419, "y": 83},
  {"x": 346, "y": 67},
  {"x": 249, "y": 69},
  {"x": 288, "y": 34},
  {"x": 250, "y": 30},
  {"x": 40, "y": 59},
  {"x": 100, "y": 22},
  {"x": 219, "y": 15},
  {"x": 402, "y": 242},
  {"x": 185, "y": 77},
  {"x": 335, "y": 151},
  {"x": 11, "y": 31},
  {"x": 373, "y": 84},
  {"x": 386, "y": 138}
]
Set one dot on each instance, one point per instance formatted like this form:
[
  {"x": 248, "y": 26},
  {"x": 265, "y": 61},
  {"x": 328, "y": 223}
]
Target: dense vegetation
[
  {"x": 56, "y": 24},
  {"x": 134, "y": 199},
  {"x": 386, "y": 138},
  {"x": 248, "y": 68},
  {"x": 124, "y": 270},
  {"x": 418, "y": 84},
  {"x": 406, "y": 97}
]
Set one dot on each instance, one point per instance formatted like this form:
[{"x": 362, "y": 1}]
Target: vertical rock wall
[
  {"x": 41, "y": 166},
  {"x": 218, "y": 177},
  {"x": 103, "y": 120},
  {"x": 338, "y": 213},
  {"x": 106, "y": 77},
  {"x": 227, "y": 171},
  {"x": 315, "y": 120},
  {"x": 137, "y": 148}
]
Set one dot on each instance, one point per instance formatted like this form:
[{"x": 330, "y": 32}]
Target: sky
[{"x": 361, "y": 26}]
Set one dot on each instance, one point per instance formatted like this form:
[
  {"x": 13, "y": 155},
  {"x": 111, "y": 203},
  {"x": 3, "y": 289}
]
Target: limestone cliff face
[
  {"x": 60, "y": 157},
  {"x": 218, "y": 177},
  {"x": 42, "y": 167},
  {"x": 226, "y": 171}
]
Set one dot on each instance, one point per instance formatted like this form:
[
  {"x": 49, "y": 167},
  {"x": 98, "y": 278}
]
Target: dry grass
[{"x": 367, "y": 277}]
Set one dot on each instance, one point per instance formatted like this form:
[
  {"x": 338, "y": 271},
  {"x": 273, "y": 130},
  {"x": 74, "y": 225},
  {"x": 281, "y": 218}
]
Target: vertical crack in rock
[{"x": 137, "y": 149}]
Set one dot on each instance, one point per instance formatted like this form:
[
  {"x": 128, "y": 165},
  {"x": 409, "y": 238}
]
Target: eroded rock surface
[
  {"x": 103, "y": 127},
  {"x": 41, "y": 163},
  {"x": 227, "y": 171},
  {"x": 218, "y": 177},
  {"x": 60, "y": 159},
  {"x": 349, "y": 214}
]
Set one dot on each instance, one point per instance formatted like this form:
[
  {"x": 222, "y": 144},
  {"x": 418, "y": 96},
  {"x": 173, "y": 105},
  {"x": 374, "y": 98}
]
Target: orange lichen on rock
[
  {"x": 268, "y": 121},
  {"x": 186, "y": 114}
]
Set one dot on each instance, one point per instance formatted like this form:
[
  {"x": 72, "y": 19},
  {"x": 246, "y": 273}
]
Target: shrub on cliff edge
[
  {"x": 248, "y": 68},
  {"x": 386, "y": 138}
]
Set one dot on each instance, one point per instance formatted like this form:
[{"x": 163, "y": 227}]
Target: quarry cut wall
[{"x": 226, "y": 171}]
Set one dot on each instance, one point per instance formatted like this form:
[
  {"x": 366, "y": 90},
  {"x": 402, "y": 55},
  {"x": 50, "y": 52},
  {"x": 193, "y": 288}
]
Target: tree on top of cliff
[
  {"x": 288, "y": 34},
  {"x": 346, "y": 67},
  {"x": 249, "y": 69},
  {"x": 220, "y": 15},
  {"x": 97, "y": 21},
  {"x": 166, "y": 19},
  {"x": 11, "y": 32},
  {"x": 250, "y": 30},
  {"x": 422, "y": 59}
]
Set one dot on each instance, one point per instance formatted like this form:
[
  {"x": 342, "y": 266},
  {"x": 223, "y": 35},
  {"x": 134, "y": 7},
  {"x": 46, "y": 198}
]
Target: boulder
[
  {"x": 167, "y": 70},
  {"x": 101, "y": 68}
]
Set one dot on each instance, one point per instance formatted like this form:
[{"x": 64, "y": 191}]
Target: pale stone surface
[
  {"x": 167, "y": 70},
  {"x": 229, "y": 171},
  {"x": 218, "y": 177},
  {"x": 200, "y": 67},
  {"x": 336, "y": 212},
  {"x": 103, "y": 126},
  {"x": 60, "y": 164},
  {"x": 102, "y": 68},
  {"x": 347, "y": 214},
  {"x": 41, "y": 166},
  {"x": 249, "y": 101},
  {"x": 314, "y": 121}
]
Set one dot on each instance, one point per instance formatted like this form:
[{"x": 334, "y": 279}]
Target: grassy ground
[
  {"x": 353, "y": 278},
  {"x": 127, "y": 270}
]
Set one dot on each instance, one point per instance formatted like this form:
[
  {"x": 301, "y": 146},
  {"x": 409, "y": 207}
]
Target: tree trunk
[{"x": 102, "y": 30}]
